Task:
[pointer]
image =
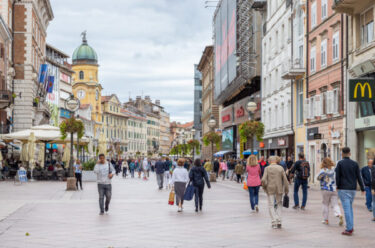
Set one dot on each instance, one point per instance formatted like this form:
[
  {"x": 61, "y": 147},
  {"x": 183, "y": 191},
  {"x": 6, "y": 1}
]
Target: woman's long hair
[
  {"x": 252, "y": 160},
  {"x": 327, "y": 163},
  {"x": 197, "y": 162}
]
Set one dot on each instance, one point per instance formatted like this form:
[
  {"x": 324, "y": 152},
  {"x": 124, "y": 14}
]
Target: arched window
[{"x": 81, "y": 75}]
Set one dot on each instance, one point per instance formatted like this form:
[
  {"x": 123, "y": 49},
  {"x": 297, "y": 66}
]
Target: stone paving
[{"x": 140, "y": 217}]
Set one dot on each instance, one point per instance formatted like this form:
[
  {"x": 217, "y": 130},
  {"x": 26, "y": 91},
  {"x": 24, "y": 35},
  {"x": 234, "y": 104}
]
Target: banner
[
  {"x": 43, "y": 73},
  {"x": 362, "y": 90},
  {"x": 51, "y": 80}
]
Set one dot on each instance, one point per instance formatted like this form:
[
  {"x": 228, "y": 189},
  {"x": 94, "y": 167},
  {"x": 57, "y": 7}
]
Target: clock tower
[{"x": 86, "y": 86}]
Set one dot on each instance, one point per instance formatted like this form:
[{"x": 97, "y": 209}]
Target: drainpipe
[
  {"x": 342, "y": 71},
  {"x": 13, "y": 64},
  {"x": 291, "y": 81}
]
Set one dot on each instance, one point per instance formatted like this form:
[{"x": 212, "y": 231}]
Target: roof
[
  {"x": 84, "y": 106},
  {"x": 105, "y": 98},
  {"x": 85, "y": 53},
  {"x": 131, "y": 114},
  {"x": 186, "y": 125}
]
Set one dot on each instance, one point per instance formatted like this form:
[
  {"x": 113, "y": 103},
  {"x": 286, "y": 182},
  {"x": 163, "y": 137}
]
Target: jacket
[
  {"x": 231, "y": 165},
  {"x": 373, "y": 178},
  {"x": 327, "y": 179},
  {"x": 238, "y": 169},
  {"x": 208, "y": 166},
  {"x": 347, "y": 175},
  {"x": 159, "y": 167},
  {"x": 366, "y": 176},
  {"x": 223, "y": 166},
  {"x": 198, "y": 175},
  {"x": 216, "y": 165},
  {"x": 297, "y": 169},
  {"x": 263, "y": 164},
  {"x": 253, "y": 176},
  {"x": 274, "y": 180}
]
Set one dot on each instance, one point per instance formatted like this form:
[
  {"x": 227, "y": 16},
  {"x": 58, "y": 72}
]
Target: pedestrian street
[{"x": 43, "y": 214}]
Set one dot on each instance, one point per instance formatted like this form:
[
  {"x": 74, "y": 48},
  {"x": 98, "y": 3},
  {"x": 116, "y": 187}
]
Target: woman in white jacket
[{"x": 180, "y": 177}]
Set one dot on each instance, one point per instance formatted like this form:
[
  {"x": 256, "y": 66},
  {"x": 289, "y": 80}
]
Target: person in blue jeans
[
  {"x": 366, "y": 176},
  {"x": 373, "y": 192},
  {"x": 301, "y": 180},
  {"x": 347, "y": 174}
]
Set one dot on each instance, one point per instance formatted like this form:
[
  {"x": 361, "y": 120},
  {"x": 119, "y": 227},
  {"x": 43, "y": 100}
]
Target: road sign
[{"x": 361, "y": 90}]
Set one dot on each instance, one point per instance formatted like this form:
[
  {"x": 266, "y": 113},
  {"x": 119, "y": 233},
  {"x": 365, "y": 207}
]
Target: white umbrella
[
  {"x": 23, "y": 157},
  {"x": 41, "y": 154}
]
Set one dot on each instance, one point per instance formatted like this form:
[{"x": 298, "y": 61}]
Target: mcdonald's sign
[{"x": 361, "y": 90}]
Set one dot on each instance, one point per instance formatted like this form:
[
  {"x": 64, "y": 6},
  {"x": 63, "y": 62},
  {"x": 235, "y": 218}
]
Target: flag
[
  {"x": 51, "y": 80},
  {"x": 43, "y": 73}
]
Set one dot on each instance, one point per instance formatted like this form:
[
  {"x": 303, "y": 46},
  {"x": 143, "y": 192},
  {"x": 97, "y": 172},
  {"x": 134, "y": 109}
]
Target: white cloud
[{"x": 143, "y": 46}]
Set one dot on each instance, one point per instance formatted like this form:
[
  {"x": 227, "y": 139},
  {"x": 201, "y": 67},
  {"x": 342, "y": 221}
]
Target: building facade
[
  {"x": 325, "y": 81},
  {"x": 197, "y": 103},
  {"x": 360, "y": 121},
  {"x": 137, "y": 134},
  {"x": 165, "y": 144},
  {"x": 31, "y": 19},
  {"x": 206, "y": 67}
]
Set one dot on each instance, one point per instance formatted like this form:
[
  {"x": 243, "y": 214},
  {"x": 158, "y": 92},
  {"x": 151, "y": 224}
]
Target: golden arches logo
[{"x": 363, "y": 88}]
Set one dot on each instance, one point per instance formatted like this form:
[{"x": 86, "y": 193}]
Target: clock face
[
  {"x": 81, "y": 94},
  {"x": 97, "y": 95}
]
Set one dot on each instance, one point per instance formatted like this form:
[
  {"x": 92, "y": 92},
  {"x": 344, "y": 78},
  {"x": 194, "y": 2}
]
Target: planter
[{"x": 88, "y": 176}]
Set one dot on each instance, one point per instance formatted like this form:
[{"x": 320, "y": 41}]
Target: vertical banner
[
  {"x": 43, "y": 73},
  {"x": 51, "y": 80}
]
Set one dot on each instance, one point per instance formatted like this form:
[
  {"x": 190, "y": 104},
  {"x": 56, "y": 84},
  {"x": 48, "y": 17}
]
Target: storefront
[
  {"x": 282, "y": 146},
  {"x": 365, "y": 128}
]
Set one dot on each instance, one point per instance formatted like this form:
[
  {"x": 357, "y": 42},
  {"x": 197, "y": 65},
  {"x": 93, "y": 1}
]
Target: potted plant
[{"x": 88, "y": 174}]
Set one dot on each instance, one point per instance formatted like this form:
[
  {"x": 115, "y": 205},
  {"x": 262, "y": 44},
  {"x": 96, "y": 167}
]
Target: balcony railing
[
  {"x": 5, "y": 98},
  {"x": 293, "y": 70},
  {"x": 347, "y": 6}
]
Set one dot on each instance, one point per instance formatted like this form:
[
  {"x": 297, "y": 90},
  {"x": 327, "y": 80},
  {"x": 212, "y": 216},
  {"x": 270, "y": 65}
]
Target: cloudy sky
[{"x": 144, "y": 46}]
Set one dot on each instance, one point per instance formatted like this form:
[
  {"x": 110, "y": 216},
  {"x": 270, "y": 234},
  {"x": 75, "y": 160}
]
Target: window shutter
[
  {"x": 317, "y": 106},
  {"x": 306, "y": 109},
  {"x": 330, "y": 102},
  {"x": 335, "y": 101}
]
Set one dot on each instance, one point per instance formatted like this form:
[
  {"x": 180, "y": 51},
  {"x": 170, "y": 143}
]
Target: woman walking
[
  {"x": 239, "y": 171},
  {"x": 253, "y": 181},
  {"x": 329, "y": 193},
  {"x": 197, "y": 176},
  {"x": 132, "y": 168},
  {"x": 223, "y": 168},
  {"x": 180, "y": 177},
  {"x": 124, "y": 168}
]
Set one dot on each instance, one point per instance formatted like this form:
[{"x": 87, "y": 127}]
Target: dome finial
[{"x": 83, "y": 34}]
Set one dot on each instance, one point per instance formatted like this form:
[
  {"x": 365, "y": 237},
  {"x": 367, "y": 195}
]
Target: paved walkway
[{"x": 140, "y": 217}]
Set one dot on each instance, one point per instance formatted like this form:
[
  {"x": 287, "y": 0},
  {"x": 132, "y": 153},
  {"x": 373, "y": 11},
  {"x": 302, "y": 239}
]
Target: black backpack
[{"x": 305, "y": 170}]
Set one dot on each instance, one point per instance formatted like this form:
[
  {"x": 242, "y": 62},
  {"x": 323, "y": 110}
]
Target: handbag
[
  {"x": 189, "y": 192},
  {"x": 286, "y": 201},
  {"x": 245, "y": 186},
  {"x": 171, "y": 197}
]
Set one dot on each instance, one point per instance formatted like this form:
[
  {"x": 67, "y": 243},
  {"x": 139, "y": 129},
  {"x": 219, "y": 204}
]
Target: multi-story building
[
  {"x": 165, "y": 144},
  {"x": 206, "y": 67},
  {"x": 114, "y": 125},
  {"x": 181, "y": 133},
  {"x": 86, "y": 86},
  {"x": 136, "y": 134},
  {"x": 62, "y": 88},
  {"x": 197, "y": 103},
  {"x": 360, "y": 121},
  {"x": 29, "y": 26},
  {"x": 6, "y": 69},
  {"x": 325, "y": 83}
]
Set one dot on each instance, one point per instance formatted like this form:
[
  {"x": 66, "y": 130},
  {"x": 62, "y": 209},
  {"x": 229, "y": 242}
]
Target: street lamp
[
  {"x": 212, "y": 124},
  {"x": 251, "y": 107}
]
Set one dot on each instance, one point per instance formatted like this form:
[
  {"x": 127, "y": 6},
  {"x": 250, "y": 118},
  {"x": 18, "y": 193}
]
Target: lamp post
[
  {"x": 251, "y": 107},
  {"x": 212, "y": 124}
]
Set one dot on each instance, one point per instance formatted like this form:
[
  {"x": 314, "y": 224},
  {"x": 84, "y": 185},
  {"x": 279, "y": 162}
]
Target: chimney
[
  {"x": 157, "y": 102},
  {"x": 138, "y": 98},
  {"x": 148, "y": 98}
]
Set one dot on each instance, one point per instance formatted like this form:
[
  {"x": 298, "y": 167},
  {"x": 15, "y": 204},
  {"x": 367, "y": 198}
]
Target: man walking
[
  {"x": 366, "y": 176},
  {"x": 231, "y": 166},
  {"x": 275, "y": 183},
  {"x": 347, "y": 175},
  {"x": 159, "y": 169},
  {"x": 104, "y": 171},
  {"x": 216, "y": 167},
  {"x": 302, "y": 170}
]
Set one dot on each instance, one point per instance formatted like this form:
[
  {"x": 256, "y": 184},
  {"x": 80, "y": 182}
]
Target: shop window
[
  {"x": 367, "y": 27},
  {"x": 367, "y": 108}
]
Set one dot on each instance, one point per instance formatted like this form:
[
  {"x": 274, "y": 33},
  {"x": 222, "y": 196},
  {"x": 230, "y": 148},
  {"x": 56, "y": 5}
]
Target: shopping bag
[
  {"x": 189, "y": 192},
  {"x": 286, "y": 201},
  {"x": 245, "y": 186},
  {"x": 171, "y": 198}
]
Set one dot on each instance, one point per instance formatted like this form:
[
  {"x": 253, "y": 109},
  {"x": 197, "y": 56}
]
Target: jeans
[
  {"x": 373, "y": 205},
  {"x": 132, "y": 172},
  {"x": 274, "y": 206},
  {"x": 230, "y": 174},
  {"x": 124, "y": 170},
  {"x": 78, "y": 179},
  {"x": 105, "y": 190},
  {"x": 239, "y": 178},
  {"x": 368, "y": 197},
  {"x": 159, "y": 179},
  {"x": 347, "y": 198},
  {"x": 254, "y": 196},
  {"x": 198, "y": 196},
  {"x": 300, "y": 182}
]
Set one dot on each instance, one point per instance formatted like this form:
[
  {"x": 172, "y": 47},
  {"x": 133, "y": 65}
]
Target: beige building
[
  {"x": 165, "y": 144},
  {"x": 206, "y": 67},
  {"x": 181, "y": 133},
  {"x": 136, "y": 134}
]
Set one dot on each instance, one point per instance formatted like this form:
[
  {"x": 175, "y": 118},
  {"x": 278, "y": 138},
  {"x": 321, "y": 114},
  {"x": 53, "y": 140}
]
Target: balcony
[
  {"x": 293, "y": 70},
  {"x": 259, "y": 4},
  {"x": 5, "y": 98},
  {"x": 351, "y": 7}
]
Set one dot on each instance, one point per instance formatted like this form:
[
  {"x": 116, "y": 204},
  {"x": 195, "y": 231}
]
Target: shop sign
[
  {"x": 281, "y": 142},
  {"x": 311, "y": 133},
  {"x": 365, "y": 122},
  {"x": 361, "y": 90},
  {"x": 225, "y": 118},
  {"x": 65, "y": 78},
  {"x": 240, "y": 112}
]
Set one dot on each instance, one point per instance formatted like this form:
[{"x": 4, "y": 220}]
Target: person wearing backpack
[{"x": 302, "y": 170}]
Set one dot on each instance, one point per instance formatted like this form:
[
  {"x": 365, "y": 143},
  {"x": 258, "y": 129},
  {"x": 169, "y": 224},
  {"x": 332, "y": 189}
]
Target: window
[
  {"x": 312, "y": 59},
  {"x": 335, "y": 46},
  {"x": 313, "y": 14},
  {"x": 323, "y": 53},
  {"x": 324, "y": 102},
  {"x": 336, "y": 100},
  {"x": 367, "y": 27},
  {"x": 300, "y": 102},
  {"x": 81, "y": 75},
  {"x": 312, "y": 107},
  {"x": 324, "y": 9}
]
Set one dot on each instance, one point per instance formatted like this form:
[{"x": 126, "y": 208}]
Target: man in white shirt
[{"x": 104, "y": 171}]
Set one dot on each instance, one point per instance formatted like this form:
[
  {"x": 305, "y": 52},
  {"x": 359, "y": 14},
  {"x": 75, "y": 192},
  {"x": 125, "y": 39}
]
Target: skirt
[{"x": 179, "y": 189}]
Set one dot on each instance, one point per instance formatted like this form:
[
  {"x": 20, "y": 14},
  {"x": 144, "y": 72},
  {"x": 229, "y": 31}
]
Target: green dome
[{"x": 84, "y": 53}]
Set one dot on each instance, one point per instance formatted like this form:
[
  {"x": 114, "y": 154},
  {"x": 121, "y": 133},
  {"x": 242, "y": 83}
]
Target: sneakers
[
  {"x": 341, "y": 221},
  {"x": 279, "y": 226},
  {"x": 325, "y": 222},
  {"x": 347, "y": 233},
  {"x": 196, "y": 210},
  {"x": 303, "y": 208},
  {"x": 106, "y": 208},
  {"x": 256, "y": 208},
  {"x": 101, "y": 213},
  {"x": 179, "y": 210},
  {"x": 296, "y": 207},
  {"x": 274, "y": 226}
]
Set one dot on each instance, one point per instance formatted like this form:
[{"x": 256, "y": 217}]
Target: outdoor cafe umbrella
[
  {"x": 42, "y": 148},
  {"x": 23, "y": 157},
  {"x": 102, "y": 145},
  {"x": 31, "y": 149}
]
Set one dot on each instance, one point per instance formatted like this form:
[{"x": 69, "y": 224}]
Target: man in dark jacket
[
  {"x": 300, "y": 180},
  {"x": 159, "y": 169},
  {"x": 366, "y": 176},
  {"x": 216, "y": 167},
  {"x": 347, "y": 175}
]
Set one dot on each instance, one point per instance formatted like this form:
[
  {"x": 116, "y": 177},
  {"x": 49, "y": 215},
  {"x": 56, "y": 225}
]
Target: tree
[
  {"x": 249, "y": 129},
  {"x": 193, "y": 146},
  {"x": 212, "y": 138}
]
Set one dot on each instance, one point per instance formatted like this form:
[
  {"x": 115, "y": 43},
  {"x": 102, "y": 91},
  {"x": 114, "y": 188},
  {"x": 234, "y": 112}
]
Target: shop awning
[
  {"x": 222, "y": 153},
  {"x": 248, "y": 152}
]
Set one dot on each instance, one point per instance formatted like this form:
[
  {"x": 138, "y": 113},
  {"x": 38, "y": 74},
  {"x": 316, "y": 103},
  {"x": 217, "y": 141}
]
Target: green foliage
[
  {"x": 250, "y": 129},
  {"x": 89, "y": 165},
  {"x": 212, "y": 138},
  {"x": 72, "y": 125},
  {"x": 194, "y": 145}
]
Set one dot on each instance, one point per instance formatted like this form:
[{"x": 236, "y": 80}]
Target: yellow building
[{"x": 86, "y": 86}]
